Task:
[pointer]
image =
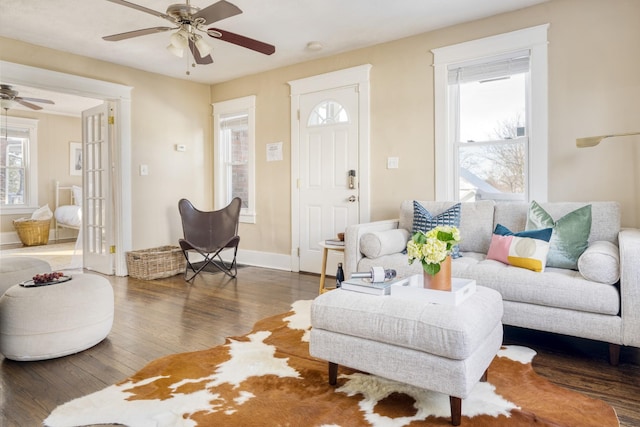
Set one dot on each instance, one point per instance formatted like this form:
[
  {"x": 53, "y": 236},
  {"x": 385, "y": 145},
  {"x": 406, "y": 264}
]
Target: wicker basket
[
  {"x": 33, "y": 232},
  {"x": 155, "y": 263}
]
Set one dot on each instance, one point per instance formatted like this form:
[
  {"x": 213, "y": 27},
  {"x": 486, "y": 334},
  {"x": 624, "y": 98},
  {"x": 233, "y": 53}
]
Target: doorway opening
[{"x": 120, "y": 96}]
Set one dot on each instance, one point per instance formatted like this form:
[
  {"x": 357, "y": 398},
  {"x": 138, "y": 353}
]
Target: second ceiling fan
[{"x": 191, "y": 21}]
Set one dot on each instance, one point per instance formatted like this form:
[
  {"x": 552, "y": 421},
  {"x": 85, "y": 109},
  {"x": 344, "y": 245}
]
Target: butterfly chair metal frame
[{"x": 208, "y": 233}]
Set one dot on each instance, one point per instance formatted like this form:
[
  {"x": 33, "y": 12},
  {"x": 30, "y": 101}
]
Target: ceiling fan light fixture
[
  {"x": 179, "y": 52},
  {"x": 203, "y": 47},
  {"x": 180, "y": 39},
  {"x": 7, "y": 104}
]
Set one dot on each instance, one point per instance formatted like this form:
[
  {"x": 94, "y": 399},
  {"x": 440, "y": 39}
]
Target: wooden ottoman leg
[
  {"x": 456, "y": 410},
  {"x": 333, "y": 373}
]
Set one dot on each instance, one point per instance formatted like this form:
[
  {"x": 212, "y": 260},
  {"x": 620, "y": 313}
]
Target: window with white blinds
[
  {"x": 486, "y": 69},
  {"x": 18, "y": 165},
  {"x": 491, "y": 118},
  {"x": 234, "y": 142}
]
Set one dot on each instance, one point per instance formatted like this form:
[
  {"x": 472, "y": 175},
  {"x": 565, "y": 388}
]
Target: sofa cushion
[
  {"x": 525, "y": 249},
  {"x": 424, "y": 221},
  {"x": 600, "y": 263},
  {"x": 570, "y": 234},
  {"x": 379, "y": 243},
  {"x": 556, "y": 287},
  {"x": 476, "y": 221}
]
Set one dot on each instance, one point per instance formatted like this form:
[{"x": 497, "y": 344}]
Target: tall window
[
  {"x": 234, "y": 123},
  {"x": 491, "y": 118},
  {"x": 18, "y": 165}
]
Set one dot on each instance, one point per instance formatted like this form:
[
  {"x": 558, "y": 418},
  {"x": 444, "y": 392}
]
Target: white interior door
[
  {"x": 328, "y": 183},
  {"x": 97, "y": 209}
]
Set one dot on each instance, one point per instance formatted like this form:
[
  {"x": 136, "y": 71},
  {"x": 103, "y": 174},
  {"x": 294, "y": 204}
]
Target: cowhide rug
[{"x": 268, "y": 378}]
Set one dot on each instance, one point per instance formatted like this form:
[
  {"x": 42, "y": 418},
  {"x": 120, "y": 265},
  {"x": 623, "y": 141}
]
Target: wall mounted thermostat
[{"x": 181, "y": 147}]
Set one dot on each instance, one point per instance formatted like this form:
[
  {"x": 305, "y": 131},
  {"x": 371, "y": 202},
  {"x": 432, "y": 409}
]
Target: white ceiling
[{"x": 339, "y": 25}]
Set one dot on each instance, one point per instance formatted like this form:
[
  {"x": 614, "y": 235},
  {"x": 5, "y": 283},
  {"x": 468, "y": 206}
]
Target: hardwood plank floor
[{"x": 160, "y": 317}]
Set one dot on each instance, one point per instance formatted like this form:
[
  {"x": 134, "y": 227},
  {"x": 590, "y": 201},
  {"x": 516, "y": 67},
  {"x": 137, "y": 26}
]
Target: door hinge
[
  {"x": 111, "y": 120},
  {"x": 298, "y": 184},
  {"x": 112, "y": 249},
  {"x": 298, "y": 252},
  {"x": 298, "y": 114}
]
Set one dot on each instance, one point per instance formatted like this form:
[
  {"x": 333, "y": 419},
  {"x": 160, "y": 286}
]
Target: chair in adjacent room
[{"x": 208, "y": 233}]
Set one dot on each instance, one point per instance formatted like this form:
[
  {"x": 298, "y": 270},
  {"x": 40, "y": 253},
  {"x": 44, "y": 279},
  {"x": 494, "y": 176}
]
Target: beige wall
[
  {"x": 594, "y": 87},
  {"x": 54, "y": 134},
  {"x": 164, "y": 112}
]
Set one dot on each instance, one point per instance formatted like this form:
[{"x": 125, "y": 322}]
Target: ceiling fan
[
  {"x": 9, "y": 96},
  {"x": 190, "y": 21}
]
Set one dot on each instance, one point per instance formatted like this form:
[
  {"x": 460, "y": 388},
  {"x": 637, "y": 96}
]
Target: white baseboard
[
  {"x": 245, "y": 257},
  {"x": 264, "y": 259},
  {"x": 11, "y": 237},
  {"x": 254, "y": 259}
]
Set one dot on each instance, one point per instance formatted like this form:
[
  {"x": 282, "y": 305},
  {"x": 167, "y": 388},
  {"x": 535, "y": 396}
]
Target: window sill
[
  {"x": 248, "y": 217},
  {"x": 18, "y": 211}
]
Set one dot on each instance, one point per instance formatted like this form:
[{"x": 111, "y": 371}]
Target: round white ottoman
[
  {"x": 18, "y": 269},
  {"x": 56, "y": 320}
]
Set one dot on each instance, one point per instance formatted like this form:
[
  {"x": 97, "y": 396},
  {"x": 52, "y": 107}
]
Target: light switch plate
[
  {"x": 392, "y": 162},
  {"x": 144, "y": 170}
]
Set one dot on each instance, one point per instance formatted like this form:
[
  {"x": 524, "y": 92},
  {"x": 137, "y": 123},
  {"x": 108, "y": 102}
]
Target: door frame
[
  {"x": 356, "y": 76},
  {"x": 120, "y": 95}
]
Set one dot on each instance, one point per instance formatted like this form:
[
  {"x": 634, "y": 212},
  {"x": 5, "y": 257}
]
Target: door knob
[{"x": 352, "y": 199}]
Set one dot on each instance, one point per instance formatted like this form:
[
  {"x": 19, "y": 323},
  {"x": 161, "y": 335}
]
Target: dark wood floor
[{"x": 155, "y": 318}]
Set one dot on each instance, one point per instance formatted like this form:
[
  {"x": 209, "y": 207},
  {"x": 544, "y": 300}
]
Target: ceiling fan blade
[
  {"x": 27, "y": 104},
  {"x": 43, "y": 101},
  {"x": 218, "y": 11},
  {"x": 142, "y": 8},
  {"x": 243, "y": 41},
  {"x": 197, "y": 57},
  {"x": 136, "y": 33}
]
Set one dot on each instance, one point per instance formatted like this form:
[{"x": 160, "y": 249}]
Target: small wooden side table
[{"x": 326, "y": 248}]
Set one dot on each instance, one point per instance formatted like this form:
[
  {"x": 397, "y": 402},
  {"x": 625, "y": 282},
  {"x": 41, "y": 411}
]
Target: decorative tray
[{"x": 31, "y": 283}]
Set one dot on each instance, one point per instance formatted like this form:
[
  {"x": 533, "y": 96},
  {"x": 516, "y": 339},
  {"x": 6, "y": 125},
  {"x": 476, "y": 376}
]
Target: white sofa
[{"x": 604, "y": 306}]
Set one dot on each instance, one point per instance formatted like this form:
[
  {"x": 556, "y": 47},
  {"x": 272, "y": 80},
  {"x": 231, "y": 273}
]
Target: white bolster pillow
[
  {"x": 379, "y": 243},
  {"x": 600, "y": 263}
]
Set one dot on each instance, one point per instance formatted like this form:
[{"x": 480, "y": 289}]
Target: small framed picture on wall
[{"x": 75, "y": 158}]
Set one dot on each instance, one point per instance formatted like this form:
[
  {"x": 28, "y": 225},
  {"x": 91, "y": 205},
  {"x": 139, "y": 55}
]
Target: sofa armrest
[
  {"x": 629, "y": 243},
  {"x": 352, "y": 235}
]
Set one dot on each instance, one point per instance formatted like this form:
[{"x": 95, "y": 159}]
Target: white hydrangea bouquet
[{"x": 432, "y": 247}]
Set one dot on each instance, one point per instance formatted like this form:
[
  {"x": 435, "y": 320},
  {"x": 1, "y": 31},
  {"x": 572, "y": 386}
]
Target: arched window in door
[{"x": 328, "y": 113}]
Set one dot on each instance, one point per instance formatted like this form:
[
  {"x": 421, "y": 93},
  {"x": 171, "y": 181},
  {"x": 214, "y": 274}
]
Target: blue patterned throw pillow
[{"x": 424, "y": 221}]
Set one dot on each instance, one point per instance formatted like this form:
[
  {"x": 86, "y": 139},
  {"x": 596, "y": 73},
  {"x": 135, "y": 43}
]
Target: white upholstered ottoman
[
  {"x": 18, "y": 269},
  {"x": 436, "y": 347},
  {"x": 51, "y": 321}
]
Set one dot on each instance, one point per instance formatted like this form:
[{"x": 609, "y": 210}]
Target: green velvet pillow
[{"x": 570, "y": 236}]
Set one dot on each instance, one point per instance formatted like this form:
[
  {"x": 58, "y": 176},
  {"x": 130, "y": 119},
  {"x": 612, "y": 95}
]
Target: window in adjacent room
[
  {"x": 18, "y": 165},
  {"x": 491, "y": 118},
  {"x": 234, "y": 124}
]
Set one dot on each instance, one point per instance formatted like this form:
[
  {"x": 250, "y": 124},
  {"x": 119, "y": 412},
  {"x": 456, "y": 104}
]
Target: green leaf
[{"x": 431, "y": 269}]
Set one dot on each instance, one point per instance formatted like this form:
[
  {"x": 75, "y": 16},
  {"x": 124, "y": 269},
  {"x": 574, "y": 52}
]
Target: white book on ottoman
[{"x": 413, "y": 289}]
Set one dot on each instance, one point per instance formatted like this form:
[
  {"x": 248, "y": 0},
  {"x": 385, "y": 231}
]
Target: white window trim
[
  {"x": 247, "y": 105},
  {"x": 534, "y": 39},
  {"x": 32, "y": 165}
]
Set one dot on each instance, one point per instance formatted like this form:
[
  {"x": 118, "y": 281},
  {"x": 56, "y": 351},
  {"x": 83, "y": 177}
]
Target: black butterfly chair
[{"x": 208, "y": 234}]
